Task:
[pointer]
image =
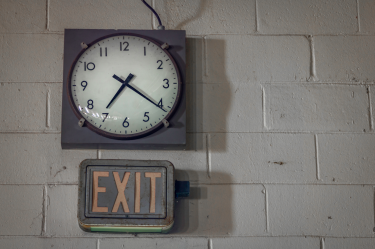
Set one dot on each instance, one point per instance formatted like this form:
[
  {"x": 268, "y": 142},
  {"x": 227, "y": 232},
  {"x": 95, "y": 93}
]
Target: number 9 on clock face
[{"x": 124, "y": 86}]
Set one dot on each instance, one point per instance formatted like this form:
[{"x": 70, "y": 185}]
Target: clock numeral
[
  {"x": 90, "y": 66},
  {"x": 105, "y": 52},
  {"x": 125, "y": 123},
  {"x": 106, "y": 115},
  {"x": 161, "y": 63},
  {"x": 144, "y": 51},
  {"x": 148, "y": 118},
  {"x": 160, "y": 104},
  {"x": 90, "y": 104},
  {"x": 166, "y": 83},
  {"x": 124, "y": 43},
  {"x": 84, "y": 85}
]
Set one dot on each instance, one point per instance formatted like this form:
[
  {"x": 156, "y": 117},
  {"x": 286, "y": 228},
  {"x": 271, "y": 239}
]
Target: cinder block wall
[{"x": 281, "y": 143}]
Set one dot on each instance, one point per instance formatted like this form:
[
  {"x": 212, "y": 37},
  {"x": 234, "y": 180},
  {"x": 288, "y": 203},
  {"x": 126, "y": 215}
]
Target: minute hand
[{"x": 135, "y": 90}]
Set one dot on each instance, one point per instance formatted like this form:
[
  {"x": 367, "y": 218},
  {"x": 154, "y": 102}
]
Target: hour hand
[
  {"x": 124, "y": 84},
  {"x": 118, "y": 78}
]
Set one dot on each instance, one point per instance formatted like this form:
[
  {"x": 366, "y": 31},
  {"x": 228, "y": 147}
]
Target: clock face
[{"x": 124, "y": 86}]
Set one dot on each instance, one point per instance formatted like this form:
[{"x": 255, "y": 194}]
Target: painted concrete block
[
  {"x": 347, "y": 158},
  {"x": 190, "y": 164},
  {"x": 262, "y": 158},
  {"x": 23, "y": 107},
  {"x": 157, "y": 243},
  {"x": 318, "y": 210},
  {"x": 89, "y": 14},
  {"x": 307, "y": 17},
  {"x": 316, "y": 107},
  {"x": 344, "y": 58},
  {"x": 43, "y": 243},
  {"x": 22, "y": 16},
  {"x": 266, "y": 242},
  {"x": 55, "y": 106},
  {"x": 371, "y": 90},
  {"x": 62, "y": 211},
  {"x": 31, "y": 58},
  {"x": 221, "y": 210},
  {"x": 208, "y": 17},
  {"x": 366, "y": 16},
  {"x": 246, "y": 59},
  {"x": 38, "y": 159},
  {"x": 62, "y": 214},
  {"x": 21, "y": 209},
  {"x": 349, "y": 243},
  {"x": 224, "y": 108}
]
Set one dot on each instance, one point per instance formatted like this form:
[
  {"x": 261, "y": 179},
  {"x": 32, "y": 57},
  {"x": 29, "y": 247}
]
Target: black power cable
[{"x": 156, "y": 14}]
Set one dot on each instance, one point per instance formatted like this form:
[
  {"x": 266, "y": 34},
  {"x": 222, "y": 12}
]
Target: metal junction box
[{"x": 126, "y": 196}]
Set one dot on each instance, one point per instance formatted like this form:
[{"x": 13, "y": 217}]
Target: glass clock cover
[{"x": 124, "y": 86}]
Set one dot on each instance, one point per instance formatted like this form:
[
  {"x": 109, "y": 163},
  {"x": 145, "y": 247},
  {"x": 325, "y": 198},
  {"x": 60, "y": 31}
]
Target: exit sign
[{"x": 126, "y": 196}]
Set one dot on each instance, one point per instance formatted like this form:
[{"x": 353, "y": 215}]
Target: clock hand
[
  {"x": 124, "y": 84},
  {"x": 135, "y": 90}
]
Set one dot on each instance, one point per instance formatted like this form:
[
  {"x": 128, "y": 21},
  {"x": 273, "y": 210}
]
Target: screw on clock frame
[
  {"x": 165, "y": 122},
  {"x": 81, "y": 122},
  {"x": 84, "y": 45},
  {"x": 165, "y": 46}
]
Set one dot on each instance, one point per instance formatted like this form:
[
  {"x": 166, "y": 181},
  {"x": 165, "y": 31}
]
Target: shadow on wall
[
  {"x": 207, "y": 211},
  {"x": 208, "y": 89}
]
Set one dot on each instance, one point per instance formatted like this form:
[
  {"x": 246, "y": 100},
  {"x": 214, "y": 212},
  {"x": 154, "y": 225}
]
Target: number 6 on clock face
[{"x": 124, "y": 86}]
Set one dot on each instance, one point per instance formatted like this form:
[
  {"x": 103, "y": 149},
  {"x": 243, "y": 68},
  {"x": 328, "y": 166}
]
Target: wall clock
[{"x": 124, "y": 89}]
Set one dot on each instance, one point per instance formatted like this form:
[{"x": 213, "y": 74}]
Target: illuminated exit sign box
[{"x": 126, "y": 196}]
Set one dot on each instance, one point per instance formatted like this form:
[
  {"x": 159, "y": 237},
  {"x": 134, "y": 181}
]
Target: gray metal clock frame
[{"x": 173, "y": 137}]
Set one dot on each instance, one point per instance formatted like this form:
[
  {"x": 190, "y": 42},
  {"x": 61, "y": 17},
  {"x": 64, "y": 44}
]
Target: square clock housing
[{"x": 124, "y": 89}]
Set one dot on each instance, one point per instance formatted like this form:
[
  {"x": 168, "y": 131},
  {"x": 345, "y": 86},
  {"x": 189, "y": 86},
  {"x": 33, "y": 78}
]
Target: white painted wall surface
[{"x": 281, "y": 139}]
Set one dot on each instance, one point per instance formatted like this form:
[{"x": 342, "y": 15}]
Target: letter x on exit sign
[{"x": 126, "y": 196}]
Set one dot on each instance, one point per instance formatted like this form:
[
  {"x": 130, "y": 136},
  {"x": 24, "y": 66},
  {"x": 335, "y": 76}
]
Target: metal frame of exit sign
[{"x": 126, "y": 196}]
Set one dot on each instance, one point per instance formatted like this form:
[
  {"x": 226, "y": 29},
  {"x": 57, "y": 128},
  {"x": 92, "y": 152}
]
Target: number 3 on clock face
[{"x": 124, "y": 86}]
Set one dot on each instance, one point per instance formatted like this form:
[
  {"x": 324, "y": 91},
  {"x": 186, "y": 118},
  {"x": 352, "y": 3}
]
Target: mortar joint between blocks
[
  {"x": 209, "y": 244},
  {"x": 371, "y": 122},
  {"x": 358, "y": 18},
  {"x": 264, "y": 191},
  {"x": 47, "y": 14},
  {"x": 313, "y": 77},
  {"x": 256, "y": 17},
  {"x": 317, "y": 157},
  {"x": 44, "y": 211},
  {"x": 208, "y": 154},
  {"x": 48, "y": 109}
]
